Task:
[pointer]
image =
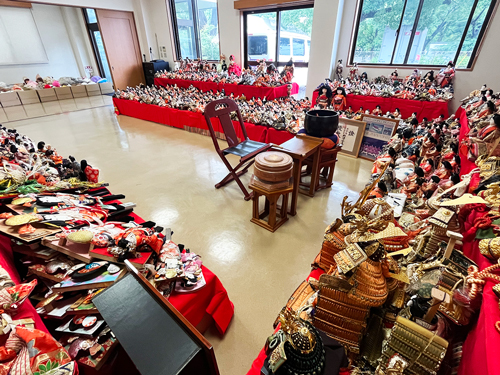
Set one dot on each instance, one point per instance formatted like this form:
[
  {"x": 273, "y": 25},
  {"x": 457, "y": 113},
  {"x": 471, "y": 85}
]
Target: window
[
  {"x": 299, "y": 47},
  {"x": 285, "y": 46},
  {"x": 196, "y": 29},
  {"x": 420, "y": 32},
  {"x": 282, "y": 32},
  {"x": 97, "y": 44}
]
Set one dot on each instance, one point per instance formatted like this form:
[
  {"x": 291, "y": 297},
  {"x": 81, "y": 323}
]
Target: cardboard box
[
  {"x": 9, "y": 99},
  {"x": 93, "y": 89},
  {"x": 28, "y": 97},
  {"x": 47, "y": 95},
  {"x": 106, "y": 88},
  {"x": 63, "y": 93},
  {"x": 79, "y": 91}
]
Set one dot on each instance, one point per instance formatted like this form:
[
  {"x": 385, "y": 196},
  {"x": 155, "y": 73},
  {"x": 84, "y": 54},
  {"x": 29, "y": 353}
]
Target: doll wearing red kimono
[
  {"x": 324, "y": 99},
  {"x": 444, "y": 171},
  {"x": 428, "y": 167},
  {"x": 339, "y": 100},
  {"x": 377, "y": 111},
  {"x": 382, "y": 160}
]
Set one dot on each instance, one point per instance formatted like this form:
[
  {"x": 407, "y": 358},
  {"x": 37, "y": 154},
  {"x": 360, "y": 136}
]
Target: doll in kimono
[
  {"x": 377, "y": 111},
  {"x": 339, "y": 100},
  {"x": 339, "y": 69},
  {"x": 233, "y": 67},
  {"x": 324, "y": 99},
  {"x": 446, "y": 75},
  {"x": 353, "y": 72}
]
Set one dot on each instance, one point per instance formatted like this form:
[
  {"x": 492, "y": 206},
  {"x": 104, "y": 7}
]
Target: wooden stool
[
  {"x": 271, "y": 208},
  {"x": 326, "y": 167}
]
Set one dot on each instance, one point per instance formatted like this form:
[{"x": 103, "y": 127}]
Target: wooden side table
[
  {"x": 271, "y": 209},
  {"x": 300, "y": 148}
]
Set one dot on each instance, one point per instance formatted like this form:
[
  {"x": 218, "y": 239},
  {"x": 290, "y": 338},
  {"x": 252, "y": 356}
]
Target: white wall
[
  {"x": 54, "y": 35},
  {"x": 485, "y": 70}
]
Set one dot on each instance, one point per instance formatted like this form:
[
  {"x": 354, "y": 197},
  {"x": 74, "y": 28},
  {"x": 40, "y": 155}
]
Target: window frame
[
  {"x": 91, "y": 27},
  {"x": 175, "y": 30},
  {"x": 276, "y": 10},
  {"x": 490, "y": 13}
]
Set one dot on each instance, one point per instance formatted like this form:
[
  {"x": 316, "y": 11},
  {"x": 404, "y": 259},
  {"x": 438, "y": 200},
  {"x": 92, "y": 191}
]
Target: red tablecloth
[
  {"x": 465, "y": 164},
  {"x": 430, "y": 110},
  {"x": 480, "y": 348},
  {"x": 231, "y": 88},
  {"x": 26, "y": 310},
  {"x": 259, "y": 361},
  {"x": 194, "y": 121},
  {"x": 212, "y": 299}
]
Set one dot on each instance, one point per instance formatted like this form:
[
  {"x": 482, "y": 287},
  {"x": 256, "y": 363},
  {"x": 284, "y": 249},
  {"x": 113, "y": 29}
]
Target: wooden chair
[
  {"x": 326, "y": 168},
  {"x": 245, "y": 149}
]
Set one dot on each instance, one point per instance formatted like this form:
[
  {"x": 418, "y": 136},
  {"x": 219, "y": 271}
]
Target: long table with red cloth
[
  {"x": 26, "y": 309},
  {"x": 483, "y": 341},
  {"x": 212, "y": 299},
  {"x": 427, "y": 109},
  {"x": 269, "y": 93},
  {"x": 181, "y": 119}
]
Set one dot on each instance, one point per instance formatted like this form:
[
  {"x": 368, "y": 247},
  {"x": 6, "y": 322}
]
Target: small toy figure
[
  {"x": 233, "y": 67},
  {"x": 288, "y": 71},
  {"x": 445, "y": 76},
  {"x": 364, "y": 77},
  {"x": 377, "y": 111},
  {"x": 397, "y": 114},
  {"x": 223, "y": 65},
  {"x": 339, "y": 69},
  {"x": 394, "y": 75},
  {"x": 339, "y": 100},
  {"x": 353, "y": 72},
  {"x": 324, "y": 99}
]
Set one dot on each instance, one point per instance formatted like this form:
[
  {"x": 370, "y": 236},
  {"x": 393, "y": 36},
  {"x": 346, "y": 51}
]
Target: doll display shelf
[
  {"x": 195, "y": 122},
  {"x": 270, "y": 93},
  {"x": 429, "y": 109}
]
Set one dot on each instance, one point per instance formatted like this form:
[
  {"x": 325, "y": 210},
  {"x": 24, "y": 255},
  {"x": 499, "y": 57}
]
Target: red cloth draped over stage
[
  {"x": 430, "y": 110},
  {"x": 194, "y": 120},
  {"x": 270, "y": 93}
]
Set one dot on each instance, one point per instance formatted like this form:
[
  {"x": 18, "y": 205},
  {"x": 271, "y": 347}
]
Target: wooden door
[{"x": 121, "y": 43}]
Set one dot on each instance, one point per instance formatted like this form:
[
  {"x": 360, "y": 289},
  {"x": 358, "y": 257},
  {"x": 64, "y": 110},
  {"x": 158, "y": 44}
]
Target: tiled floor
[
  {"x": 170, "y": 174},
  {"x": 22, "y": 112}
]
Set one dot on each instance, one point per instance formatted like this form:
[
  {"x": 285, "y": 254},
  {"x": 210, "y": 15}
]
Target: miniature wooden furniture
[
  {"x": 300, "y": 148},
  {"x": 271, "y": 208},
  {"x": 326, "y": 168},
  {"x": 244, "y": 148}
]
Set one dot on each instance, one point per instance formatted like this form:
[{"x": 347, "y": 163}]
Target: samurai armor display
[{"x": 420, "y": 350}]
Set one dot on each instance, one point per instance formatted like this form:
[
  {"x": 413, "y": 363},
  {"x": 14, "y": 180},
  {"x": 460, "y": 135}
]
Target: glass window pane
[
  {"x": 102, "y": 55},
  {"x": 187, "y": 42},
  {"x": 405, "y": 32},
  {"x": 376, "y": 37},
  {"x": 91, "y": 16},
  {"x": 261, "y": 33},
  {"x": 285, "y": 46},
  {"x": 208, "y": 29},
  {"x": 473, "y": 33},
  {"x": 299, "y": 47},
  {"x": 296, "y": 24},
  {"x": 185, "y": 28},
  {"x": 439, "y": 31}
]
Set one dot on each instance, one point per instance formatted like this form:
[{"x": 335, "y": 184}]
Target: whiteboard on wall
[{"x": 20, "y": 41}]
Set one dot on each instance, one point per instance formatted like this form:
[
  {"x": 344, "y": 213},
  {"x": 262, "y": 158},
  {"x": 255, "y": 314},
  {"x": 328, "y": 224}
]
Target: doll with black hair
[
  {"x": 324, "y": 98},
  {"x": 339, "y": 100},
  {"x": 444, "y": 171},
  {"x": 446, "y": 75},
  {"x": 397, "y": 114},
  {"x": 428, "y": 167},
  {"x": 377, "y": 111},
  {"x": 379, "y": 191}
]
